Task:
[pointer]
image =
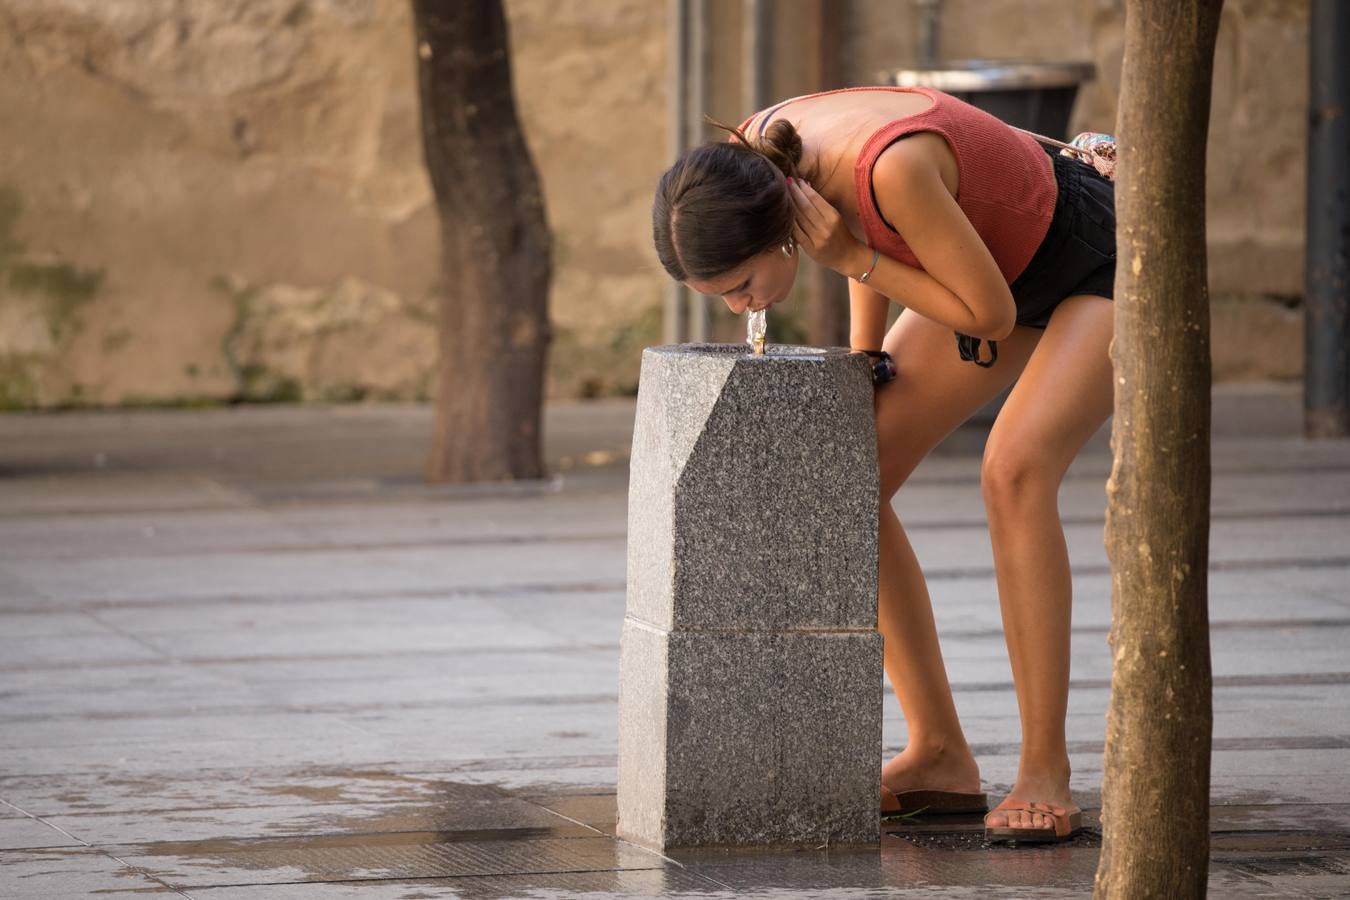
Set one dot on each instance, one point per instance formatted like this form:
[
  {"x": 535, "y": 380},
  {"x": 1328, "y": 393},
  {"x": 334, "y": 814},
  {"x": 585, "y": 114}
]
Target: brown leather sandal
[
  {"x": 937, "y": 803},
  {"x": 1067, "y": 824}
]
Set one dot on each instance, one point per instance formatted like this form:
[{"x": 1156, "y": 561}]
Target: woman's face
[{"x": 755, "y": 284}]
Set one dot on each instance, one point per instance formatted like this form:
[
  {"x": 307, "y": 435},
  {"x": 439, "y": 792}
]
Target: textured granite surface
[
  {"x": 750, "y": 670},
  {"x": 753, "y": 490},
  {"x": 643, "y": 666},
  {"x": 749, "y": 738}
]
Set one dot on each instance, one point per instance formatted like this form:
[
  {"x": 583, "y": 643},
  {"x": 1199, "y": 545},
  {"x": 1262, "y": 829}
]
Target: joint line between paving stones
[
  {"x": 1221, "y": 470},
  {"x": 83, "y": 843},
  {"x": 353, "y": 546},
  {"x": 451, "y": 592},
  {"x": 129, "y": 635},
  {"x": 332, "y": 708},
  {"x": 554, "y": 812},
  {"x": 384, "y": 766},
  {"x": 566, "y": 649}
]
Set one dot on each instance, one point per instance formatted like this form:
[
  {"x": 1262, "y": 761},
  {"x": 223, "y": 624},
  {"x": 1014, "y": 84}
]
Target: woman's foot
[
  {"x": 1049, "y": 792},
  {"x": 918, "y": 768}
]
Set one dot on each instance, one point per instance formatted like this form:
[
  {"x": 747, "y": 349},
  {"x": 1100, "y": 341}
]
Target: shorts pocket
[
  {"x": 1097, "y": 213},
  {"x": 1095, "y": 249}
]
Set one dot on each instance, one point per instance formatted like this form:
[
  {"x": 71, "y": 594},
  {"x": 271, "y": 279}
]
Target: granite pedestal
[{"x": 750, "y": 672}]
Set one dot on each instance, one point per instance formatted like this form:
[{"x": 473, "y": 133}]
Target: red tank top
[{"x": 1006, "y": 179}]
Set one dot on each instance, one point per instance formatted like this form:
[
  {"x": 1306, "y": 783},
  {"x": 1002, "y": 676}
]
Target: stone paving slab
[
  {"x": 55, "y": 650},
  {"x": 321, "y": 570},
  {"x": 69, "y": 872},
  {"x": 24, "y": 833},
  {"x": 560, "y": 609},
  {"x": 937, "y": 503},
  {"x": 319, "y": 819},
  {"x": 96, "y": 493},
  {"x": 269, "y": 530},
  {"x": 98, "y": 793},
  {"x": 75, "y": 623}
]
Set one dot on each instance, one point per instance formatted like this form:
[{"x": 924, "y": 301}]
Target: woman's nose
[{"x": 737, "y": 304}]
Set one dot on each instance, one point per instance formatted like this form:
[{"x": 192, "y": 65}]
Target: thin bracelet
[{"x": 862, "y": 279}]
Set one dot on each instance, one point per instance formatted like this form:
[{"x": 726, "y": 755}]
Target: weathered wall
[
  {"x": 214, "y": 163},
  {"x": 225, "y": 199}
]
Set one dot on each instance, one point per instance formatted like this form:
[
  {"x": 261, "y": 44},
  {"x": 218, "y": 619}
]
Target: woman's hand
[{"x": 821, "y": 232}]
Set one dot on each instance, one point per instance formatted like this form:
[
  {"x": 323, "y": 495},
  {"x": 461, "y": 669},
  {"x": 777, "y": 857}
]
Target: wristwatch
[{"x": 883, "y": 366}]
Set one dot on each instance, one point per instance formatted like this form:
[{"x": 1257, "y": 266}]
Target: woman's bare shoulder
[{"x": 912, "y": 162}]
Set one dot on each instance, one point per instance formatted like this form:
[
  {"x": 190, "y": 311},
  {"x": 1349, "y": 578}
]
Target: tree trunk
[
  {"x": 1155, "y": 786},
  {"x": 828, "y": 304},
  {"x": 495, "y": 253}
]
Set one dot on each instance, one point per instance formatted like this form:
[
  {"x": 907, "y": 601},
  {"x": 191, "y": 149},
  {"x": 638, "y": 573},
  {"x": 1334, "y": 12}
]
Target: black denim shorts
[{"x": 1078, "y": 254}]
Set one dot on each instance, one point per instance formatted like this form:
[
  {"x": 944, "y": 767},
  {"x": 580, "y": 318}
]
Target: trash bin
[{"x": 1037, "y": 96}]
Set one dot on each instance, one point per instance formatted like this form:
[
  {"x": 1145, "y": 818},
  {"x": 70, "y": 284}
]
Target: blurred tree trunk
[
  {"x": 829, "y": 313},
  {"x": 495, "y": 252},
  {"x": 1155, "y": 786}
]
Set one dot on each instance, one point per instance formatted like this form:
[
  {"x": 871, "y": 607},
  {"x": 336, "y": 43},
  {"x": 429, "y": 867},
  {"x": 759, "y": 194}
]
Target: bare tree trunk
[
  {"x": 495, "y": 249},
  {"x": 1155, "y": 787}
]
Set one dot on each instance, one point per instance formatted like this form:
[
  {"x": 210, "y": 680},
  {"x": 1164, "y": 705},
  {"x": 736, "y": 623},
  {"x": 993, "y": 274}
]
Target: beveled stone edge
[
  {"x": 795, "y": 352},
  {"x": 675, "y": 628}
]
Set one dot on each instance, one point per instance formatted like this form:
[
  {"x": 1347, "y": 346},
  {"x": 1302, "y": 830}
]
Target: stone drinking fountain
[{"x": 750, "y": 668}]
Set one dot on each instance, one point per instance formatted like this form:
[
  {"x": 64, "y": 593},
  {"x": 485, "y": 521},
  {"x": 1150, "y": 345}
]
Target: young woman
[{"x": 983, "y": 235}]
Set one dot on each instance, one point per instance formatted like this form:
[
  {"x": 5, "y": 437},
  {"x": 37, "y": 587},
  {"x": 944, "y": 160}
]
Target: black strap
[
  {"x": 883, "y": 370},
  {"x": 764, "y": 123},
  {"x": 969, "y": 348}
]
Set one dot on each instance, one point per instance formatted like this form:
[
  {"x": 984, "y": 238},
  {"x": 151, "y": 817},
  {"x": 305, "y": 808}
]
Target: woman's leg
[
  {"x": 934, "y": 392},
  {"x": 1063, "y": 397}
]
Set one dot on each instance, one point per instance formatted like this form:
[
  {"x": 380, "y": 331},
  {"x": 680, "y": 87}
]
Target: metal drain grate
[
  {"x": 1290, "y": 865},
  {"x": 974, "y": 839},
  {"x": 289, "y": 861}
]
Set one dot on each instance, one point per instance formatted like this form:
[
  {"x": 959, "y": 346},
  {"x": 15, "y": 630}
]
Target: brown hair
[{"x": 723, "y": 202}]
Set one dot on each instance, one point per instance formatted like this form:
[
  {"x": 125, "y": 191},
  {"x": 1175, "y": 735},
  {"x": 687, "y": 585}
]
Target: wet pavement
[{"x": 244, "y": 653}]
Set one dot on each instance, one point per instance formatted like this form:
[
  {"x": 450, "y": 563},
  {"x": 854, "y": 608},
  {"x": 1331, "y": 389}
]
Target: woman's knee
[{"x": 1013, "y": 475}]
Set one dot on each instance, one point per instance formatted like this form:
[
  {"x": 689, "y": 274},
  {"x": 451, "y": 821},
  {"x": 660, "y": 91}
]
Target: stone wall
[
  {"x": 204, "y": 200},
  {"x": 225, "y": 199}
]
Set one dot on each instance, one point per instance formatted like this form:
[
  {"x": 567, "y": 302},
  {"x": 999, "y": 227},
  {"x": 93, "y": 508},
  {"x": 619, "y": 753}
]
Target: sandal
[
  {"x": 938, "y": 803},
  {"x": 1066, "y": 824}
]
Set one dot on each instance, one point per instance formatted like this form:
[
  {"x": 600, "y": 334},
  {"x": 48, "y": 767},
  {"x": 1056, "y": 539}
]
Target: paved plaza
[{"x": 245, "y": 654}]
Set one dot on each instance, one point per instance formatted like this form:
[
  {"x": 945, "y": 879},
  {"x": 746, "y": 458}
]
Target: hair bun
[{"x": 782, "y": 145}]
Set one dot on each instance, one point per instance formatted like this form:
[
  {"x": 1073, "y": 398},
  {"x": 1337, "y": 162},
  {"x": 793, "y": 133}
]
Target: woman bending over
[{"x": 985, "y": 237}]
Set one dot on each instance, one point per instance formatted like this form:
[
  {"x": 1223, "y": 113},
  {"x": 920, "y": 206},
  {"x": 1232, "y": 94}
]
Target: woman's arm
[
  {"x": 959, "y": 286},
  {"x": 867, "y": 310},
  {"x": 913, "y": 198}
]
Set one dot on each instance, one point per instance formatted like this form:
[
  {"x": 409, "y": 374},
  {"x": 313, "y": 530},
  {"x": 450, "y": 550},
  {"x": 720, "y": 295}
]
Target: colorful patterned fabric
[{"x": 1102, "y": 148}]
